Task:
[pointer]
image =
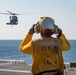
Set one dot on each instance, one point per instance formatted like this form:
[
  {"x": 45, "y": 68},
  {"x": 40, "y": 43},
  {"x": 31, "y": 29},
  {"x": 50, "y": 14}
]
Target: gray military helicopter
[{"x": 13, "y": 17}]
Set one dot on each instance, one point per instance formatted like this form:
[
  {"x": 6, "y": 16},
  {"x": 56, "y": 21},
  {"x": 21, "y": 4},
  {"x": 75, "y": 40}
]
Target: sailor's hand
[
  {"x": 58, "y": 32},
  {"x": 31, "y": 30}
]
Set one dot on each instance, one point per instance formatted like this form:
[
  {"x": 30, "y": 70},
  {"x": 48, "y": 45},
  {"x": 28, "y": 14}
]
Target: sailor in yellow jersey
[{"x": 46, "y": 50}]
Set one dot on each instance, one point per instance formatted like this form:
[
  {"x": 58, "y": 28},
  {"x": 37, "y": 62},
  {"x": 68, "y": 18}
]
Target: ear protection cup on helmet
[{"x": 37, "y": 29}]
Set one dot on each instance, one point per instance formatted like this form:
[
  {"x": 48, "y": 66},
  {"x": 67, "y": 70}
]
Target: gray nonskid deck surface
[
  {"x": 12, "y": 69},
  {"x": 15, "y": 69}
]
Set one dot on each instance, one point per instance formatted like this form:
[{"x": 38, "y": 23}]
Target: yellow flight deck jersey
[{"x": 46, "y": 52}]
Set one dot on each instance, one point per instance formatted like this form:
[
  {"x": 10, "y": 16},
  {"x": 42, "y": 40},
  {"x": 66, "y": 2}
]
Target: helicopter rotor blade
[
  {"x": 9, "y": 12},
  {"x": 12, "y": 13},
  {"x": 5, "y": 13},
  {"x": 25, "y": 13}
]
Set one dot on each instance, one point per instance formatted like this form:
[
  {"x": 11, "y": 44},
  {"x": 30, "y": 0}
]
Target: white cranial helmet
[{"x": 46, "y": 22}]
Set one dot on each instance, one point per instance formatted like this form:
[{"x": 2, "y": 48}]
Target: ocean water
[
  {"x": 9, "y": 49},
  {"x": 70, "y": 55}
]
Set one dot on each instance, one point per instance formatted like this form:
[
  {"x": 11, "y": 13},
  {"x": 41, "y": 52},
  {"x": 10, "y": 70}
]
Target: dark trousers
[{"x": 57, "y": 72}]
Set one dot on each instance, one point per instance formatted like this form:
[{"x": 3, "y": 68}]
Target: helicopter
[{"x": 13, "y": 18}]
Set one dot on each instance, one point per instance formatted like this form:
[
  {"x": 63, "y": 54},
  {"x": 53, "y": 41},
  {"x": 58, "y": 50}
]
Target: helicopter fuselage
[{"x": 13, "y": 20}]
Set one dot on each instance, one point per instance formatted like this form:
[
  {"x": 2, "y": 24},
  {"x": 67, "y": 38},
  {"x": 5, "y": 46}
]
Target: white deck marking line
[{"x": 15, "y": 71}]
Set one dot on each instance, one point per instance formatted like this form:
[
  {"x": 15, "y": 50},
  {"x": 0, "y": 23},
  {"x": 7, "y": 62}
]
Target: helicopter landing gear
[{"x": 11, "y": 24}]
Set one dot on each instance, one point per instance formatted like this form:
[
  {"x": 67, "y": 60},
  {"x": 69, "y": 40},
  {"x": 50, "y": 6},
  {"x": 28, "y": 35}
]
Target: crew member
[{"x": 46, "y": 50}]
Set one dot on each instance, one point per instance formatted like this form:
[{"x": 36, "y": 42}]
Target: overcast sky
[{"x": 62, "y": 11}]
